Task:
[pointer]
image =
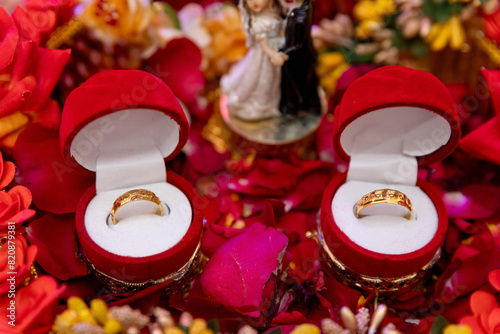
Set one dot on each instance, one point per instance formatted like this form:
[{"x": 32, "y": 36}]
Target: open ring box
[
  {"x": 389, "y": 122},
  {"x": 122, "y": 126}
]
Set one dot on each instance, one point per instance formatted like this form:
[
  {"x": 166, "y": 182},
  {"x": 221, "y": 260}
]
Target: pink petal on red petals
[
  {"x": 56, "y": 240},
  {"x": 9, "y": 36},
  {"x": 36, "y": 306},
  {"x": 473, "y": 202},
  {"x": 43, "y": 170},
  {"x": 239, "y": 270},
  {"x": 178, "y": 65}
]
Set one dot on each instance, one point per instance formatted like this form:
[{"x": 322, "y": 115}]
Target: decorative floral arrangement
[{"x": 260, "y": 212}]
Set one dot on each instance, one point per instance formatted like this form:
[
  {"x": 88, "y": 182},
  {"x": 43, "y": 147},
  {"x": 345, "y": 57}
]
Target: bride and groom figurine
[{"x": 277, "y": 75}]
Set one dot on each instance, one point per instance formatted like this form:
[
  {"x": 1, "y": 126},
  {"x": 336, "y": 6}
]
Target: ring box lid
[
  {"x": 123, "y": 117},
  {"x": 395, "y": 113}
]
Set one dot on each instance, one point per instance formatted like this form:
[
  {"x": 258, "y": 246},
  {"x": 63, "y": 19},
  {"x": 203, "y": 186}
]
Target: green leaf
[
  {"x": 352, "y": 57},
  {"x": 170, "y": 13},
  {"x": 419, "y": 48},
  {"x": 441, "y": 11},
  {"x": 439, "y": 324},
  {"x": 214, "y": 325}
]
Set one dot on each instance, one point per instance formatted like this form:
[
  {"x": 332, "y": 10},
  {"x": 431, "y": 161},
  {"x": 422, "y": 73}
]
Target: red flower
[
  {"x": 56, "y": 187},
  {"x": 55, "y": 238},
  {"x": 238, "y": 272},
  {"x": 35, "y": 307},
  {"x": 24, "y": 256},
  {"x": 14, "y": 206},
  {"x": 485, "y": 316},
  {"x": 7, "y": 172},
  {"x": 29, "y": 74}
]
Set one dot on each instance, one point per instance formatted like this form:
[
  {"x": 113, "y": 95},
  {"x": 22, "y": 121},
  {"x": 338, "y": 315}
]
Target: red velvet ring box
[
  {"x": 122, "y": 126},
  {"x": 389, "y": 122}
]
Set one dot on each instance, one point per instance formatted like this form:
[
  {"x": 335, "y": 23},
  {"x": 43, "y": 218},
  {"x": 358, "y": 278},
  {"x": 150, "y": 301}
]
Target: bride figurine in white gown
[{"x": 252, "y": 85}]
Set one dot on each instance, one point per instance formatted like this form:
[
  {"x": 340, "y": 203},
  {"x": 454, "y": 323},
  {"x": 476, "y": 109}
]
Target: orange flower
[
  {"x": 485, "y": 316},
  {"x": 228, "y": 40}
]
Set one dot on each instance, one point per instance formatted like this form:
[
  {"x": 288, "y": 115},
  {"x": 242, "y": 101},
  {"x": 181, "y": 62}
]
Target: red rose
[
  {"x": 29, "y": 75},
  {"x": 15, "y": 256},
  {"x": 35, "y": 307},
  {"x": 7, "y": 172},
  {"x": 14, "y": 206}
]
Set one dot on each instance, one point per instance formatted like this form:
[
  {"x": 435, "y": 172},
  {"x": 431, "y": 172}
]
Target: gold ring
[
  {"x": 384, "y": 196},
  {"x": 135, "y": 195}
]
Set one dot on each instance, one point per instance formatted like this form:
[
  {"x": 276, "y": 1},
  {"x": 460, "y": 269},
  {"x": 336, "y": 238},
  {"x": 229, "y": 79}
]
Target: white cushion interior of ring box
[
  {"x": 384, "y": 145},
  {"x": 126, "y": 149}
]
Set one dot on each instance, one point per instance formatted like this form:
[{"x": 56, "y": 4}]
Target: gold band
[
  {"x": 390, "y": 196},
  {"x": 135, "y": 195}
]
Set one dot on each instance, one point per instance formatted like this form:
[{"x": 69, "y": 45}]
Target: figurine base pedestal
[{"x": 273, "y": 136}]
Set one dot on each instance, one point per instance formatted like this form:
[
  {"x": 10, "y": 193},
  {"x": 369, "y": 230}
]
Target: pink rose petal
[{"x": 239, "y": 270}]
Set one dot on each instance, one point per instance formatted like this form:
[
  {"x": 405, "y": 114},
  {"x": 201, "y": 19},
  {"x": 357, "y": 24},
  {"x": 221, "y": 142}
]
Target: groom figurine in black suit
[{"x": 299, "y": 82}]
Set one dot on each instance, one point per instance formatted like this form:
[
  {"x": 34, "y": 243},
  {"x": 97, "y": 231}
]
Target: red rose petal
[
  {"x": 9, "y": 36},
  {"x": 484, "y": 142},
  {"x": 36, "y": 306},
  {"x": 494, "y": 278},
  {"x": 55, "y": 238},
  {"x": 494, "y": 320},
  {"x": 178, "y": 65},
  {"x": 43, "y": 170},
  {"x": 7, "y": 174}
]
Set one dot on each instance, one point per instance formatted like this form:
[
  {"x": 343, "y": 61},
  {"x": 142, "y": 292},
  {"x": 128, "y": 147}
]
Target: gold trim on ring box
[
  {"x": 181, "y": 279},
  {"x": 383, "y": 286}
]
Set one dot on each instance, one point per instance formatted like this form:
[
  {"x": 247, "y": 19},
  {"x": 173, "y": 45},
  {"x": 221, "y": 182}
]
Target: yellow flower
[
  {"x": 451, "y": 33},
  {"x": 331, "y": 65},
  {"x": 371, "y": 15},
  {"x": 457, "y": 329},
  {"x": 306, "y": 329},
  {"x": 99, "y": 310}
]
